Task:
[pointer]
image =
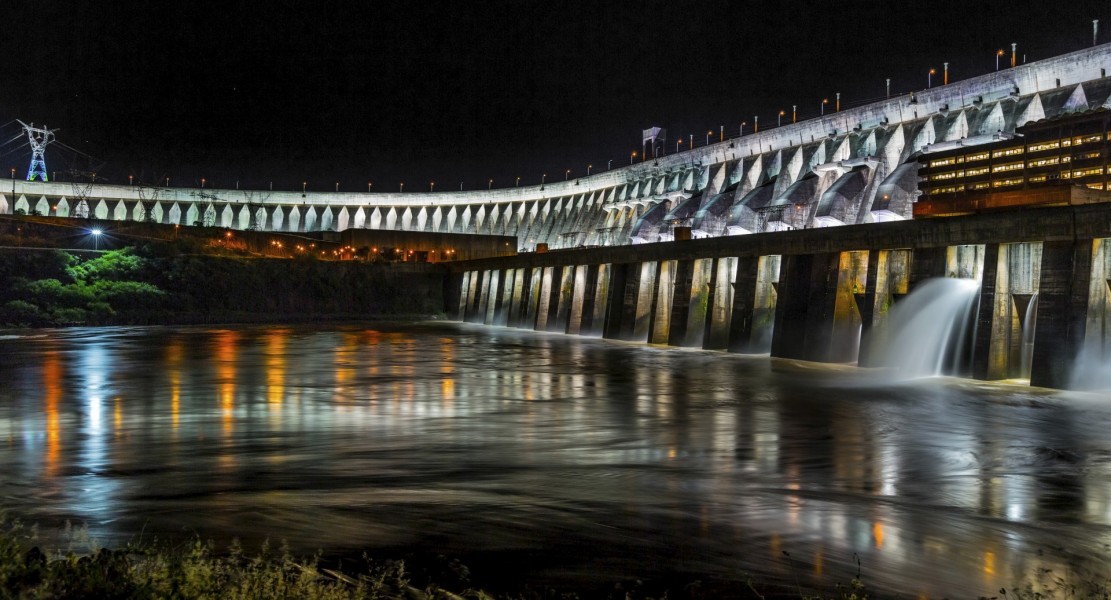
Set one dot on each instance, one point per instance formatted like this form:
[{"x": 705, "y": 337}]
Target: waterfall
[
  {"x": 1028, "y": 324},
  {"x": 928, "y": 333}
]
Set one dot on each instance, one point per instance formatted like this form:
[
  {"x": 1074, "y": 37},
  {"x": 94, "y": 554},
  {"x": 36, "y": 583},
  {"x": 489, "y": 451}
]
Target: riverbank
[{"x": 156, "y": 284}]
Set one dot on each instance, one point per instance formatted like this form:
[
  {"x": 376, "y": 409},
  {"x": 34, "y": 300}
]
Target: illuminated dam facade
[{"x": 852, "y": 166}]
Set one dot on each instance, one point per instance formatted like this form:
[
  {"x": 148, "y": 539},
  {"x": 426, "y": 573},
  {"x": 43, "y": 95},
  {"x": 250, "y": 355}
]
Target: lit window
[
  {"x": 975, "y": 157},
  {"x": 1006, "y": 182},
  {"x": 983, "y": 185},
  {"x": 1037, "y": 179},
  {"x": 944, "y": 162},
  {"x": 1007, "y": 152},
  {"x": 1096, "y": 186},
  {"x": 976, "y": 171},
  {"x": 1045, "y": 146},
  {"x": 1041, "y": 162},
  {"x": 1007, "y": 167}
]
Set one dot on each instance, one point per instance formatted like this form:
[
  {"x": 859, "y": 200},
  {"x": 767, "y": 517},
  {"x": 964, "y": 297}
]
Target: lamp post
[
  {"x": 677, "y": 143},
  {"x": 708, "y": 134},
  {"x": 202, "y": 182},
  {"x": 632, "y": 156},
  {"x": 691, "y": 145},
  {"x": 402, "y": 187},
  {"x": 721, "y": 134},
  {"x": 588, "y": 168},
  {"x": 431, "y": 186},
  {"x": 825, "y": 101},
  {"x": 130, "y": 180},
  {"x": 1014, "y": 54},
  {"x": 490, "y": 184},
  {"x": 742, "y": 128},
  {"x": 609, "y": 165},
  {"x": 756, "y": 124},
  {"x": 368, "y": 186},
  {"x": 518, "y": 181},
  {"x": 945, "y": 74},
  {"x": 838, "y": 107},
  {"x": 998, "y": 53},
  {"x": 930, "y": 79},
  {"x": 794, "y": 113},
  {"x": 337, "y": 185},
  {"x": 888, "y": 87},
  {"x": 544, "y": 177},
  {"x": 567, "y": 175},
  {"x": 779, "y": 119},
  {"x": 304, "y": 185}
]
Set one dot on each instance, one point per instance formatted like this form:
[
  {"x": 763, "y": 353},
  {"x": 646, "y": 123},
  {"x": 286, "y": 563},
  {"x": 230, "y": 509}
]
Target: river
[{"x": 565, "y": 460}]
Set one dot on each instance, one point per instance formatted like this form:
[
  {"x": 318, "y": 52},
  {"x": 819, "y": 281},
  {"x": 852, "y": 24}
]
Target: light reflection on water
[{"x": 583, "y": 458}]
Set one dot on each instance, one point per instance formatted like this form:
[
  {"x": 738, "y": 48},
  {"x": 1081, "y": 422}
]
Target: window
[
  {"x": 983, "y": 185},
  {"x": 1095, "y": 186},
  {"x": 1006, "y": 182},
  {"x": 976, "y": 171},
  {"x": 1007, "y": 152},
  {"x": 1041, "y": 162},
  {"x": 944, "y": 162},
  {"x": 948, "y": 190},
  {"x": 1045, "y": 146},
  {"x": 975, "y": 157},
  {"x": 1087, "y": 172},
  {"x": 1037, "y": 178},
  {"x": 1007, "y": 167}
]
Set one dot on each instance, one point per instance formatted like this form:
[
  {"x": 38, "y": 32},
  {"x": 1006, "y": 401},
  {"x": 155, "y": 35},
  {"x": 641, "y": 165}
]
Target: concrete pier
[{"x": 815, "y": 294}]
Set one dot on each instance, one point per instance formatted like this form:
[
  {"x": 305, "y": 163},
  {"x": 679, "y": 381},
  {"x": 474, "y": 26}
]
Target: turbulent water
[{"x": 571, "y": 461}]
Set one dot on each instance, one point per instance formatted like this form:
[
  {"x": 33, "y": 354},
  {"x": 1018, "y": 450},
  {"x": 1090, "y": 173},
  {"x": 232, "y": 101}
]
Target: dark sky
[{"x": 456, "y": 92}]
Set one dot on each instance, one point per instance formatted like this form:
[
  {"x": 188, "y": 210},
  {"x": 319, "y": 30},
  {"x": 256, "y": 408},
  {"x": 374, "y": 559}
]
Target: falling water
[
  {"x": 1028, "y": 322},
  {"x": 928, "y": 332}
]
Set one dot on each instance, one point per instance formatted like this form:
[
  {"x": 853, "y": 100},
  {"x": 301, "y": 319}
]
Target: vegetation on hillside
[{"x": 157, "y": 284}]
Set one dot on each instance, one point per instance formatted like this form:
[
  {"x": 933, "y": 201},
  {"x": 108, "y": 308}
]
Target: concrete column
[
  {"x": 1063, "y": 298},
  {"x": 613, "y": 325},
  {"x": 701, "y": 296},
  {"x": 561, "y": 300},
  {"x": 744, "y": 304},
  {"x": 805, "y": 309},
  {"x": 544, "y": 308},
  {"x": 659, "y": 302},
  {"x": 505, "y": 298},
  {"x": 681, "y": 290},
  {"x": 877, "y": 259},
  {"x": 582, "y": 298},
  {"x": 599, "y": 299},
  {"x": 982, "y": 364},
  {"x": 485, "y": 308},
  {"x": 716, "y": 336},
  {"x": 532, "y": 300},
  {"x": 517, "y": 302},
  {"x": 455, "y": 295}
]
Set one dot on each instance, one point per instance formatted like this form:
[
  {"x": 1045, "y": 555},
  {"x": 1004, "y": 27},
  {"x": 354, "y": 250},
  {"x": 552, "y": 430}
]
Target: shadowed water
[{"x": 573, "y": 460}]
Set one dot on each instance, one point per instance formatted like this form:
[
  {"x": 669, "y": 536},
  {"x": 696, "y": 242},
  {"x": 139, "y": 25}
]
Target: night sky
[{"x": 387, "y": 91}]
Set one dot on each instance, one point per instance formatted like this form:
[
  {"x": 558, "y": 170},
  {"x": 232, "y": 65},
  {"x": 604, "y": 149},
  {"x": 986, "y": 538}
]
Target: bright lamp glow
[{"x": 96, "y": 232}]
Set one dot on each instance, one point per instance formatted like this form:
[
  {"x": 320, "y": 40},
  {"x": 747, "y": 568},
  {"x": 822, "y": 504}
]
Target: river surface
[{"x": 574, "y": 461}]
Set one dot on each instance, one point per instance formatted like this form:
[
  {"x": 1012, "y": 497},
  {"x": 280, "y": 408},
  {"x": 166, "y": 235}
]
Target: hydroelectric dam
[{"x": 800, "y": 240}]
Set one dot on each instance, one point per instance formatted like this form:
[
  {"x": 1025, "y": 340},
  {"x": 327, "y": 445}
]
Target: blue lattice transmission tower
[{"x": 39, "y": 137}]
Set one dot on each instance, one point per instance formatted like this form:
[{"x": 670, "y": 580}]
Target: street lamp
[
  {"x": 567, "y": 175},
  {"x": 721, "y": 134},
  {"x": 632, "y": 156},
  {"x": 490, "y": 184},
  {"x": 544, "y": 177},
  {"x": 130, "y": 180},
  {"x": 368, "y": 186},
  {"x": 588, "y": 168},
  {"x": 794, "y": 113},
  {"x": 779, "y": 119},
  {"x": 825, "y": 101},
  {"x": 945, "y": 75},
  {"x": 677, "y": 142},
  {"x": 756, "y": 124},
  {"x": 96, "y": 238},
  {"x": 202, "y": 182},
  {"x": 402, "y": 187},
  {"x": 237, "y": 185},
  {"x": 432, "y": 186},
  {"x": 609, "y": 165},
  {"x": 518, "y": 181},
  {"x": 742, "y": 130},
  {"x": 708, "y": 134},
  {"x": 930, "y": 78},
  {"x": 304, "y": 185},
  {"x": 998, "y": 53}
]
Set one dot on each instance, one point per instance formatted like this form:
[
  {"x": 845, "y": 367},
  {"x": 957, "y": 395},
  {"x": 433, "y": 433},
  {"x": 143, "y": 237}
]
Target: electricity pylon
[{"x": 40, "y": 137}]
